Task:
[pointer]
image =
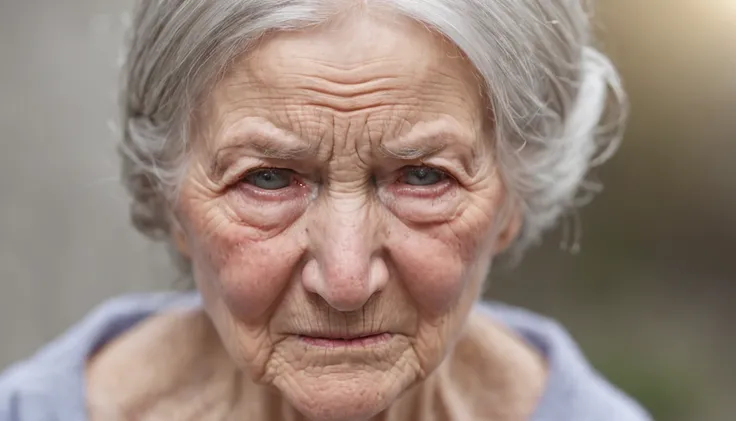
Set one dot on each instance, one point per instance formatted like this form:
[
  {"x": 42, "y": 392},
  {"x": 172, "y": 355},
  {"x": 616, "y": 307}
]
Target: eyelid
[
  {"x": 453, "y": 170},
  {"x": 254, "y": 171},
  {"x": 267, "y": 168},
  {"x": 287, "y": 172},
  {"x": 247, "y": 164},
  {"x": 447, "y": 173},
  {"x": 238, "y": 171}
]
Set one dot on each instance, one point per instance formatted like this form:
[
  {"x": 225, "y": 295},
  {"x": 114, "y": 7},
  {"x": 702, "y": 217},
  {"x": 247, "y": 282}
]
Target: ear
[{"x": 510, "y": 231}]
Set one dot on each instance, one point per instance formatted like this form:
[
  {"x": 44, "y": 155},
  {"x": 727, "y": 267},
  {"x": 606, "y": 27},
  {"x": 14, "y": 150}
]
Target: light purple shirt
[{"x": 50, "y": 386}]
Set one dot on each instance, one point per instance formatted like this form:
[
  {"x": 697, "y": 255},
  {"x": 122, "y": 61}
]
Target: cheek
[
  {"x": 245, "y": 272},
  {"x": 434, "y": 264}
]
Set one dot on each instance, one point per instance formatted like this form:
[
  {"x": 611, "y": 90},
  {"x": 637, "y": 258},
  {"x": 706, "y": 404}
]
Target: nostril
[
  {"x": 343, "y": 266},
  {"x": 311, "y": 277},
  {"x": 378, "y": 276},
  {"x": 344, "y": 288}
]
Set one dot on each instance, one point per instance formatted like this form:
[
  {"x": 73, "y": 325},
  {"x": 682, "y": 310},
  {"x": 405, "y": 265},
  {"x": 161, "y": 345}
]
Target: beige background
[{"x": 651, "y": 298}]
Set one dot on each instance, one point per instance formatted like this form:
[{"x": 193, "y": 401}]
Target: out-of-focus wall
[
  {"x": 650, "y": 298},
  {"x": 65, "y": 241}
]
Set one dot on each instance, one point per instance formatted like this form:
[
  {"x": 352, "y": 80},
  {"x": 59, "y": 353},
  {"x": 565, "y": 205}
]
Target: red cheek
[
  {"x": 248, "y": 274},
  {"x": 432, "y": 267}
]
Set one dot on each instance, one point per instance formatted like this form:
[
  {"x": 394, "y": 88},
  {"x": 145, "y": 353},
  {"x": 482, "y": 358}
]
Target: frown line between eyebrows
[{"x": 263, "y": 140}]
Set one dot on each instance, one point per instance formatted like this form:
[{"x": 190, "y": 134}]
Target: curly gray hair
[{"x": 557, "y": 102}]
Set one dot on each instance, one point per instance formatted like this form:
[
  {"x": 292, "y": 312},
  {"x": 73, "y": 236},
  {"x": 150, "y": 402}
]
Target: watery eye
[
  {"x": 422, "y": 176},
  {"x": 270, "y": 179}
]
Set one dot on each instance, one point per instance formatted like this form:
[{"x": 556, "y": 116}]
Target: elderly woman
[{"x": 336, "y": 177}]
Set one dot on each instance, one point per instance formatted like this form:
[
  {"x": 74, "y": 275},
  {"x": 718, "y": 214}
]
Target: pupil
[
  {"x": 422, "y": 176},
  {"x": 270, "y": 179}
]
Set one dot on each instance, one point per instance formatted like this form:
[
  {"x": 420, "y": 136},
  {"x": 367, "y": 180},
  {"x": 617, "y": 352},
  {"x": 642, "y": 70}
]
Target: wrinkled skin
[{"x": 379, "y": 214}]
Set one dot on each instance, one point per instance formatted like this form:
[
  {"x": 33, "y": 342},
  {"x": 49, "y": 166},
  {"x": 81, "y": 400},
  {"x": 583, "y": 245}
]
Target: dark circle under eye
[
  {"x": 269, "y": 179},
  {"x": 422, "y": 176}
]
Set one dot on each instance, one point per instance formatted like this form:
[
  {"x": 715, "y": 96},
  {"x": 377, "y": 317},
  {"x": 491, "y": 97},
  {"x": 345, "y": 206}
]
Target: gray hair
[{"x": 556, "y": 102}]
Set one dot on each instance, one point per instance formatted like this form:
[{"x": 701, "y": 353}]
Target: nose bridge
[
  {"x": 344, "y": 245},
  {"x": 347, "y": 240}
]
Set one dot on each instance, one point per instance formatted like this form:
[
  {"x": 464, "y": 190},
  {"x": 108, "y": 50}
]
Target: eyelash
[
  {"x": 431, "y": 190},
  {"x": 286, "y": 193},
  {"x": 427, "y": 191}
]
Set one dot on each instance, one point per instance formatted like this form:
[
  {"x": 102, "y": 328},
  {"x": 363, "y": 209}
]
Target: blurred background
[{"x": 651, "y": 297}]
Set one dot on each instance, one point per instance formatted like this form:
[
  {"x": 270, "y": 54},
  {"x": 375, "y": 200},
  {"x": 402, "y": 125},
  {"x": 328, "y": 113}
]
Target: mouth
[{"x": 347, "y": 341}]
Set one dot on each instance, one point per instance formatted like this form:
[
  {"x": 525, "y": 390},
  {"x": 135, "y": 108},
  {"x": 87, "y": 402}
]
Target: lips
[{"x": 335, "y": 341}]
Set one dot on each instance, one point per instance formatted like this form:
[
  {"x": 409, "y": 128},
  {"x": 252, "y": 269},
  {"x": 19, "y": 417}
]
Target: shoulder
[
  {"x": 490, "y": 373},
  {"x": 147, "y": 361},
  {"x": 575, "y": 391},
  {"x": 159, "y": 365},
  {"x": 50, "y": 384}
]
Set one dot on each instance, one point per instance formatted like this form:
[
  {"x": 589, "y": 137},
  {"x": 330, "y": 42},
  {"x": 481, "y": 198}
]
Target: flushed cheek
[
  {"x": 248, "y": 274},
  {"x": 432, "y": 267},
  {"x": 435, "y": 263}
]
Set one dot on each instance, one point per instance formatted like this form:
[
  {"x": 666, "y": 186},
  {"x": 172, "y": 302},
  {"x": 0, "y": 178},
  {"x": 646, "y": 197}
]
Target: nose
[{"x": 345, "y": 268}]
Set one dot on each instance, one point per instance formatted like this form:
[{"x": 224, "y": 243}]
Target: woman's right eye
[{"x": 270, "y": 178}]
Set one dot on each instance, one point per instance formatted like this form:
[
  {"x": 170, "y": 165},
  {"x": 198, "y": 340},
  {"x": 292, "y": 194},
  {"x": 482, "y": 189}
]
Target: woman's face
[{"x": 339, "y": 210}]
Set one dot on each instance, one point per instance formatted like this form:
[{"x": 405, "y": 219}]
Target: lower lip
[{"x": 346, "y": 343}]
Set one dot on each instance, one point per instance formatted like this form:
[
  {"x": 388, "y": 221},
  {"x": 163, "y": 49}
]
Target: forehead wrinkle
[{"x": 273, "y": 75}]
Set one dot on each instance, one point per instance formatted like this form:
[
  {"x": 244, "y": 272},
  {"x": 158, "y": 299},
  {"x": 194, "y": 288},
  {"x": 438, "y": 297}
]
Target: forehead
[
  {"x": 384, "y": 71},
  {"x": 356, "y": 48}
]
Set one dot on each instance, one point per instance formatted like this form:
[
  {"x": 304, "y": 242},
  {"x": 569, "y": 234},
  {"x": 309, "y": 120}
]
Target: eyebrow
[
  {"x": 428, "y": 147},
  {"x": 271, "y": 143},
  {"x": 420, "y": 146},
  {"x": 267, "y": 141}
]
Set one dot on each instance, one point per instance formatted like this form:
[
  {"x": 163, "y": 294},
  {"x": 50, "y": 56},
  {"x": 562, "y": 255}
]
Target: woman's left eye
[
  {"x": 270, "y": 178},
  {"x": 422, "y": 176}
]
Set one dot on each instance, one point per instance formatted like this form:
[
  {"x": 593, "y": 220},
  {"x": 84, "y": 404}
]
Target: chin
[
  {"x": 344, "y": 396},
  {"x": 343, "y": 383}
]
